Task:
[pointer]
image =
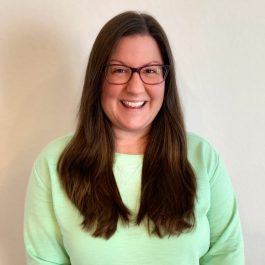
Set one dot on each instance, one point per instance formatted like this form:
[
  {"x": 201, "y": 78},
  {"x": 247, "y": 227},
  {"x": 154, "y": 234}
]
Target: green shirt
[{"x": 53, "y": 232}]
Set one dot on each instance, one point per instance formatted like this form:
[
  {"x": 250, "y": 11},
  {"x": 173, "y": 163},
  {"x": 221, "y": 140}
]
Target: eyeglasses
[{"x": 152, "y": 74}]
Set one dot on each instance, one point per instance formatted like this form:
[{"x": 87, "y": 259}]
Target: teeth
[{"x": 133, "y": 104}]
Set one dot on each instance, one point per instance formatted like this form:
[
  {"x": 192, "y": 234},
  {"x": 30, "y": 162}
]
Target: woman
[{"x": 131, "y": 186}]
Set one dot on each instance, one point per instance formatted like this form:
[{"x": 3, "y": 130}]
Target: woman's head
[
  {"x": 122, "y": 26},
  {"x": 133, "y": 90}
]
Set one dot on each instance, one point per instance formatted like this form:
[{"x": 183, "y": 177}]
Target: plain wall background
[{"x": 220, "y": 57}]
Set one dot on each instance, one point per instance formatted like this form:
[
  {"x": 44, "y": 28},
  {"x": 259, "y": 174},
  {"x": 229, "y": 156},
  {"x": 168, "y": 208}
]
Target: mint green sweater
[{"x": 53, "y": 234}]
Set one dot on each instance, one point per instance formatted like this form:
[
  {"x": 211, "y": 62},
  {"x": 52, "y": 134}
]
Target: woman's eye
[
  {"x": 152, "y": 70},
  {"x": 119, "y": 70},
  {"x": 149, "y": 71}
]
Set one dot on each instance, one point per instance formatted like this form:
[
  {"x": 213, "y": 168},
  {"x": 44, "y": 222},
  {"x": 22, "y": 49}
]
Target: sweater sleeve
[
  {"x": 42, "y": 237},
  {"x": 226, "y": 242}
]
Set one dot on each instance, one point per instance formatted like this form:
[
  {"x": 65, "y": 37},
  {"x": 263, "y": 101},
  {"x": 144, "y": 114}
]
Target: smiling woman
[
  {"x": 131, "y": 186},
  {"x": 130, "y": 104}
]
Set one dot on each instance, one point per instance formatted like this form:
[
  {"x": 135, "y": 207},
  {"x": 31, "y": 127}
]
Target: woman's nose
[{"x": 135, "y": 84}]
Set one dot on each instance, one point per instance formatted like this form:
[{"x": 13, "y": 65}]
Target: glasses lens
[
  {"x": 118, "y": 74},
  {"x": 153, "y": 74}
]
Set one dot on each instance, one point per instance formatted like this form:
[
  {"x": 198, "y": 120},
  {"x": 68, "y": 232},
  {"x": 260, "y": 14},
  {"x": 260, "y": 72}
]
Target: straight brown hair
[{"x": 168, "y": 188}]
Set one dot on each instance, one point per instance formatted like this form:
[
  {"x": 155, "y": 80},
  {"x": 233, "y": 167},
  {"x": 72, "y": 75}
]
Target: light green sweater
[{"x": 53, "y": 234}]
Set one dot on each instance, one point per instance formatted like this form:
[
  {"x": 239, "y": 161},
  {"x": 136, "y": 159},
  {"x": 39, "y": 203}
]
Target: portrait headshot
[{"x": 130, "y": 133}]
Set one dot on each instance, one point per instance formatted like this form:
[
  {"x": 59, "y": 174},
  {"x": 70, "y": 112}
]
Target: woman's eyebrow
[
  {"x": 114, "y": 60},
  {"x": 123, "y": 63}
]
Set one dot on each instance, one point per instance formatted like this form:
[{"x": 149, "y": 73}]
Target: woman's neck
[{"x": 130, "y": 143}]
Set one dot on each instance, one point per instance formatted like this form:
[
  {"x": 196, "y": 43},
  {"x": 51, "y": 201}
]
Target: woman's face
[{"x": 132, "y": 107}]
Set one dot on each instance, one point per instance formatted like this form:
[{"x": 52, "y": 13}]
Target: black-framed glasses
[{"x": 152, "y": 74}]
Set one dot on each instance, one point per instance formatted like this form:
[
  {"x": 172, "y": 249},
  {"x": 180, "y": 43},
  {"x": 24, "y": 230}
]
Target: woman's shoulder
[
  {"x": 201, "y": 151},
  {"x": 195, "y": 141},
  {"x": 52, "y": 151}
]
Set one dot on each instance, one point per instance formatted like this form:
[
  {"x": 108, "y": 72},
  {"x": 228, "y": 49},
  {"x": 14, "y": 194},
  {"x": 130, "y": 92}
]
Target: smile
[{"x": 133, "y": 104}]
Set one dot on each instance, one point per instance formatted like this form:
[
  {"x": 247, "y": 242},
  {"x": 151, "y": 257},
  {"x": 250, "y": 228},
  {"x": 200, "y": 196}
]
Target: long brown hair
[{"x": 168, "y": 188}]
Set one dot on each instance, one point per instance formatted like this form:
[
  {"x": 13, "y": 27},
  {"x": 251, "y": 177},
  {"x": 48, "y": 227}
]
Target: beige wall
[{"x": 220, "y": 57}]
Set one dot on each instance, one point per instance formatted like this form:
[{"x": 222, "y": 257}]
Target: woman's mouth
[{"x": 133, "y": 104}]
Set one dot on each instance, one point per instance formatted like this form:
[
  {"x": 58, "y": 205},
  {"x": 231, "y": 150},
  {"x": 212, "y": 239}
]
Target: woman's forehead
[{"x": 136, "y": 50}]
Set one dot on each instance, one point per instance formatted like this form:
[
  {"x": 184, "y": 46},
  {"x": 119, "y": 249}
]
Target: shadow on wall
[{"x": 38, "y": 103}]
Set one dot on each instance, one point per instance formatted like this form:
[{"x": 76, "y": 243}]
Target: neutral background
[{"x": 219, "y": 49}]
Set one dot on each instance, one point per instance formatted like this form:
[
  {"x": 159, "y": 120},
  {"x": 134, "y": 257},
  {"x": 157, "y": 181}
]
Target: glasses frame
[{"x": 138, "y": 70}]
